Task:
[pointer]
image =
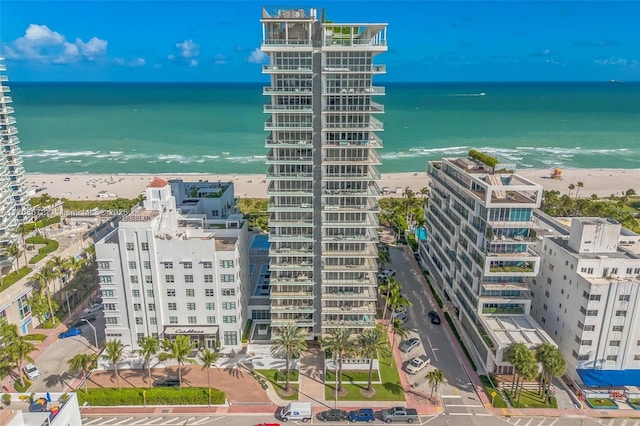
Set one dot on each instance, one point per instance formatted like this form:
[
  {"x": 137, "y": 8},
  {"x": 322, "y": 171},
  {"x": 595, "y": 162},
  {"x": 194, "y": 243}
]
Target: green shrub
[
  {"x": 498, "y": 401},
  {"x": 35, "y": 337},
  {"x": 31, "y": 226},
  {"x": 22, "y": 387},
  {"x": 483, "y": 158},
  {"x": 246, "y": 331},
  {"x": 13, "y": 277},
  {"x": 6, "y": 398},
  {"x": 154, "y": 396},
  {"x": 50, "y": 247}
]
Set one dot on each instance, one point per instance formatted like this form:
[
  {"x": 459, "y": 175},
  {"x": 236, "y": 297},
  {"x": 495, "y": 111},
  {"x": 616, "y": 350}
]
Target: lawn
[
  {"x": 389, "y": 390},
  {"x": 498, "y": 401},
  {"x": 50, "y": 246},
  {"x": 531, "y": 399},
  {"x": 276, "y": 378},
  {"x": 353, "y": 376},
  {"x": 22, "y": 387},
  {"x": 154, "y": 396},
  {"x": 35, "y": 337},
  {"x": 602, "y": 403},
  {"x": 13, "y": 277}
]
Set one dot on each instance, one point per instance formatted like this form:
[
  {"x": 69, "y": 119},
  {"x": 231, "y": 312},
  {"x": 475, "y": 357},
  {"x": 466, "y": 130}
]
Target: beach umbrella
[{"x": 48, "y": 397}]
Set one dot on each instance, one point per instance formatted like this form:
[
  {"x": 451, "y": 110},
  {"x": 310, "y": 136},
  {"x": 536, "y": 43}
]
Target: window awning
[
  {"x": 609, "y": 378},
  {"x": 190, "y": 330}
]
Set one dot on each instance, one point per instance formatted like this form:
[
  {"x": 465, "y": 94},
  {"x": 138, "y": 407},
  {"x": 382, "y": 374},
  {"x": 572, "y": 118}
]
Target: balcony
[
  {"x": 371, "y": 190},
  {"x": 281, "y": 265},
  {"x": 372, "y": 143},
  {"x": 373, "y": 125},
  {"x": 368, "y": 207},
  {"x": 350, "y": 308},
  {"x": 290, "y": 237},
  {"x": 293, "y": 125},
  {"x": 348, "y": 323},
  {"x": 12, "y": 141},
  {"x": 502, "y": 311},
  {"x": 269, "y": 108},
  {"x": 299, "y": 280},
  {"x": 8, "y": 120},
  {"x": 368, "y": 251},
  {"x": 5, "y": 99},
  {"x": 370, "y": 174},
  {"x": 5, "y": 89},
  {"x": 284, "y": 309},
  {"x": 286, "y": 69},
  {"x": 270, "y": 142},
  {"x": 289, "y": 176},
  {"x": 371, "y": 221},
  {"x": 7, "y": 110},
  {"x": 293, "y": 207},
  {"x": 374, "y": 107},
  {"x": 372, "y": 90},
  {"x": 374, "y": 69},
  {"x": 10, "y": 131},
  {"x": 287, "y": 251},
  {"x": 368, "y": 266},
  {"x": 363, "y": 282},
  {"x": 286, "y": 91},
  {"x": 272, "y": 190},
  {"x": 372, "y": 158},
  {"x": 278, "y": 43},
  {"x": 366, "y": 294}
]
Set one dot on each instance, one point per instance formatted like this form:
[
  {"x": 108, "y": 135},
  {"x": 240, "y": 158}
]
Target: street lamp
[
  {"x": 95, "y": 333},
  {"x": 67, "y": 297}
]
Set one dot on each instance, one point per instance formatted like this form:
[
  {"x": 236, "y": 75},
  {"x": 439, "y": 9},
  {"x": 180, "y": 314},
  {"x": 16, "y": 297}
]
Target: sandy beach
[{"x": 602, "y": 182}]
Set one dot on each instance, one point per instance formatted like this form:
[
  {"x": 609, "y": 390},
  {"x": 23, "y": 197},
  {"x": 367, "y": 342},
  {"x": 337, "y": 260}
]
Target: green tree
[
  {"x": 554, "y": 366},
  {"x": 209, "y": 359},
  {"x": 397, "y": 301},
  {"x": 58, "y": 268},
  {"x": 83, "y": 362},
  {"x": 370, "y": 344},
  {"x": 8, "y": 334},
  {"x": 388, "y": 288},
  {"x": 290, "y": 340},
  {"x": 178, "y": 349},
  {"x": 544, "y": 352},
  {"x": 340, "y": 344},
  {"x": 435, "y": 378},
  {"x": 43, "y": 278},
  {"x": 21, "y": 350},
  {"x": 580, "y": 185},
  {"x": 149, "y": 347},
  {"x": 14, "y": 251},
  {"x": 398, "y": 330},
  {"x": 383, "y": 256},
  {"x": 39, "y": 304},
  {"x": 113, "y": 352}
]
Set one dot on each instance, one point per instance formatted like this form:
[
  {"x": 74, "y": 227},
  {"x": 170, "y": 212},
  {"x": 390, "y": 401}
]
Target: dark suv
[{"x": 167, "y": 382}]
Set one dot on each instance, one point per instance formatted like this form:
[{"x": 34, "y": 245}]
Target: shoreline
[{"x": 88, "y": 186}]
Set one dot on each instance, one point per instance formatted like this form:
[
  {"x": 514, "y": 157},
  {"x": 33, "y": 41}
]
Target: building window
[
  {"x": 551, "y": 267},
  {"x": 208, "y": 278},
  {"x": 230, "y": 338},
  {"x": 149, "y": 293},
  {"x": 168, "y": 265},
  {"x": 621, "y": 313},
  {"x": 210, "y": 306},
  {"x": 592, "y": 313},
  {"x": 589, "y": 328},
  {"x": 544, "y": 306},
  {"x": 586, "y": 342},
  {"x": 624, "y": 297},
  {"x": 191, "y": 306},
  {"x": 227, "y": 278},
  {"x": 171, "y": 292},
  {"x": 636, "y": 357},
  {"x": 108, "y": 293},
  {"x": 618, "y": 328},
  {"x": 211, "y": 319},
  {"x": 140, "y": 336},
  {"x": 612, "y": 357},
  {"x": 207, "y": 265},
  {"x": 226, "y": 306},
  {"x": 548, "y": 280},
  {"x": 135, "y": 293},
  {"x": 226, "y": 263},
  {"x": 139, "y": 320},
  {"x": 153, "y": 320},
  {"x": 148, "y": 279},
  {"x": 111, "y": 320},
  {"x": 104, "y": 265},
  {"x": 614, "y": 343},
  {"x": 173, "y": 320},
  {"x": 169, "y": 279},
  {"x": 228, "y": 292},
  {"x": 188, "y": 278},
  {"x": 152, "y": 306},
  {"x": 546, "y": 293},
  {"x": 229, "y": 319},
  {"x": 133, "y": 279},
  {"x": 584, "y": 357},
  {"x": 192, "y": 320},
  {"x": 144, "y": 246},
  {"x": 187, "y": 265},
  {"x": 190, "y": 292},
  {"x": 146, "y": 264},
  {"x": 260, "y": 315},
  {"x": 173, "y": 306},
  {"x": 595, "y": 297},
  {"x": 137, "y": 307},
  {"x": 131, "y": 247},
  {"x": 580, "y": 325},
  {"x": 132, "y": 265},
  {"x": 209, "y": 292}
]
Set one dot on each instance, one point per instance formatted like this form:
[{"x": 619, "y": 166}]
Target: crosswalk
[{"x": 147, "y": 421}]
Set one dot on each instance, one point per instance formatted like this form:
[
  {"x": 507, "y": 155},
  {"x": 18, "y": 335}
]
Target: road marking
[
  {"x": 432, "y": 350},
  {"x": 527, "y": 423},
  {"x": 170, "y": 421},
  {"x": 123, "y": 421},
  {"x": 484, "y": 414},
  {"x": 465, "y": 405},
  {"x": 106, "y": 422},
  {"x": 90, "y": 422},
  {"x": 140, "y": 421},
  {"x": 517, "y": 422},
  {"x": 460, "y": 414},
  {"x": 451, "y": 396},
  {"x": 157, "y": 419},
  {"x": 197, "y": 422}
]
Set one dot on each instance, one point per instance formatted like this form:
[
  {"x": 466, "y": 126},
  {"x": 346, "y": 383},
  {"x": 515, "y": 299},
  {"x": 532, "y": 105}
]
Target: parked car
[
  {"x": 400, "y": 414},
  {"x": 94, "y": 307},
  {"x": 296, "y": 411},
  {"x": 333, "y": 415},
  {"x": 408, "y": 345},
  {"x": 362, "y": 415},
  {"x": 432, "y": 314},
  {"x": 401, "y": 317},
  {"x": 168, "y": 381},
  {"x": 435, "y": 319},
  {"x": 418, "y": 363},
  {"x": 386, "y": 274},
  {"x": 399, "y": 311},
  {"x": 70, "y": 333},
  {"x": 31, "y": 371}
]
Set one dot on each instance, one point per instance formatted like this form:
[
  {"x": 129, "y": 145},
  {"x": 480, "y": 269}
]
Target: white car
[
  {"x": 417, "y": 364},
  {"x": 93, "y": 308},
  {"x": 386, "y": 274},
  {"x": 31, "y": 371}
]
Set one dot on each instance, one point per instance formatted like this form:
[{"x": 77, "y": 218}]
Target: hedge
[
  {"x": 483, "y": 158},
  {"x": 42, "y": 223},
  {"x": 498, "y": 400},
  {"x": 35, "y": 337},
  {"x": 154, "y": 396},
  {"x": 51, "y": 246},
  {"x": 13, "y": 277}
]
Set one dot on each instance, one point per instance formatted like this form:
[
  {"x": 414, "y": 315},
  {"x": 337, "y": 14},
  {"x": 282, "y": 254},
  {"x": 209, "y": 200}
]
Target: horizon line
[{"x": 266, "y": 82}]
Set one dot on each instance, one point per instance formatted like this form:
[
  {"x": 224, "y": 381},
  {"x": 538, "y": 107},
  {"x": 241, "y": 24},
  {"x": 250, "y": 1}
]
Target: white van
[
  {"x": 31, "y": 371},
  {"x": 296, "y": 411}
]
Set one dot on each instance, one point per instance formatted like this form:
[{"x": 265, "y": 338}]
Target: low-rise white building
[
  {"x": 587, "y": 298},
  {"x": 178, "y": 265}
]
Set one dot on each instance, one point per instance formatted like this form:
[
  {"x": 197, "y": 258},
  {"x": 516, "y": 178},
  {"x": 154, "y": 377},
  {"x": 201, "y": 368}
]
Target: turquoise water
[
  {"x": 213, "y": 128},
  {"x": 260, "y": 242}
]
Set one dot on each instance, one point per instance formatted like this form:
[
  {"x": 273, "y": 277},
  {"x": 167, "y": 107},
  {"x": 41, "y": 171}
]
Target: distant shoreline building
[
  {"x": 178, "y": 265},
  {"x": 14, "y": 193},
  {"x": 322, "y": 176},
  {"x": 480, "y": 253}
]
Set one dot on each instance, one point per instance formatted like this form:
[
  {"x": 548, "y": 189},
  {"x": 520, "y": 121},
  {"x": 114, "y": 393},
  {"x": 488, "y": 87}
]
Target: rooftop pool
[{"x": 260, "y": 242}]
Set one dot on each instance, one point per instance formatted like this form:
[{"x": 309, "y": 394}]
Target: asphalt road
[{"x": 458, "y": 394}]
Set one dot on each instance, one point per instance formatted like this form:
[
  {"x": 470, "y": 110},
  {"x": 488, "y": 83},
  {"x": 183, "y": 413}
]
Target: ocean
[{"x": 218, "y": 128}]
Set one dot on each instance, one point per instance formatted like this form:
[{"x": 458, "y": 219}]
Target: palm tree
[
  {"x": 21, "y": 349},
  {"x": 14, "y": 251},
  {"x": 425, "y": 191},
  {"x": 571, "y": 188},
  {"x": 386, "y": 289},
  {"x": 370, "y": 344},
  {"x": 397, "y": 329},
  {"x": 82, "y": 362},
  {"x": 556, "y": 367},
  {"x": 544, "y": 353},
  {"x": 43, "y": 278},
  {"x": 383, "y": 256},
  {"x": 59, "y": 268},
  {"x": 23, "y": 231},
  {"x": 113, "y": 353},
  {"x": 435, "y": 378},
  {"x": 208, "y": 359},
  {"x": 580, "y": 185},
  {"x": 75, "y": 264},
  {"x": 340, "y": 344},
  {"x": 515, "y": 353},
  {"x": 149, "y": 347},
  {"x": 178, "y": 349},
  {"x": 291, "y": 340},
  {"x": 528, "y": 369},
  {"x": 396, "y": 301}
]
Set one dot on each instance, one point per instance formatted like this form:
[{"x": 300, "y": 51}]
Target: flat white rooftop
[{"x": 506, "y": 330}]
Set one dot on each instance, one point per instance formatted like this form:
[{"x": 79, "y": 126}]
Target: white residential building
[
  {"x": 178, "y": 265},
  {"x": 587, "y": 298},
  {"x": 322, "y": 177},
  {"x": 14, "y": 197},
  {"x": 479, "y": 253}
]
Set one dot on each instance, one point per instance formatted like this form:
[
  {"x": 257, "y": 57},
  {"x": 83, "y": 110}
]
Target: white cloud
[
  {"x": 187, "y": 53},
  {"x": 40, "y": 43},
  {"x": 220, "y": 59},
  {"x": 135, "y": 62},
  {"x": 258, "y": 57},
  {"x": 615, "y": 61}
]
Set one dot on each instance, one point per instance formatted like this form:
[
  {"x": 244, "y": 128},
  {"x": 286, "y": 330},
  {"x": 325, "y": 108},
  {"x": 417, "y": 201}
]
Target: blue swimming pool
[
  {"x": 421, "y": 234},
  {"x": 260, "y": 242}
]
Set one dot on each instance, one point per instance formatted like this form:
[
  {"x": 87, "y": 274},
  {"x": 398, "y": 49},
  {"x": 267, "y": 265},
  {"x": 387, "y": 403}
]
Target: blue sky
[{"x": 217, "y": 40}]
